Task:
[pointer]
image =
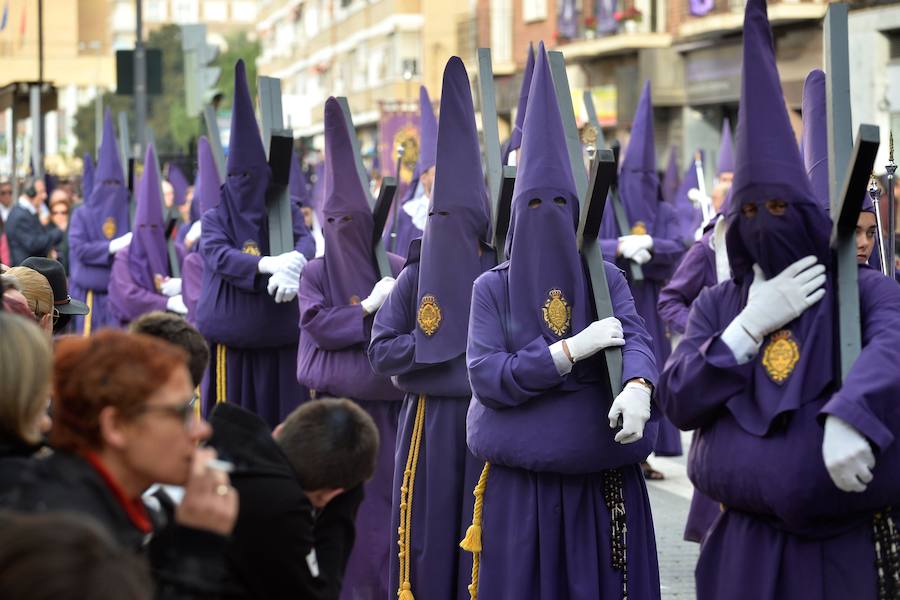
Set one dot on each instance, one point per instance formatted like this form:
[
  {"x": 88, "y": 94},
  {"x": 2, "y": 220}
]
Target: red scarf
[{"x": 133, "y": 507}]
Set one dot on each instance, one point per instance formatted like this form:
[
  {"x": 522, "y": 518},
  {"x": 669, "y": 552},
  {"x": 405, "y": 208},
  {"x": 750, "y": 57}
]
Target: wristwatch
[{"x": 644, "y": 382}]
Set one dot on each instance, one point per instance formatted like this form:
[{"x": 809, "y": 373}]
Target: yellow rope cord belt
[
  {"x": 89, "y": 300},
  {"x": 472, "y": 541},
  {"x": 406, "y": 499},
  {"x": 221, "y": 392}
]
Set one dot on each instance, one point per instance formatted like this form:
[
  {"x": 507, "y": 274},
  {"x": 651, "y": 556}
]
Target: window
[
  {"x": 534, "y": 10},
  {"x": 215, "y": 10},
  {"x": 155, "y": 11},
  {"x": 243, "y": 11},
  {"x": 186, "y": 11},
  {"x": 501, "y": 31}
]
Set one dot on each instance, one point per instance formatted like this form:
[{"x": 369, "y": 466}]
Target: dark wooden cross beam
[
  {"x": 127, "y": 159},
  {"x": 215, "y": 139},
  {"x": 501, "y": 178},
  {"x": 278, "y": 142},
  {"x": 380, "y": 206},
  {"x": 848, "y": 176},
  {"x": 592, "y": 194},
  {"x": 170, "y": 215}
]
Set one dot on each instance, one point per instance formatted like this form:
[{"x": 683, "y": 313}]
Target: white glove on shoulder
[
  {"x": 848, "y": 455},
  {"x": 629, "y": 245},
  {"x": 171, "y": 286},
  {"x": 120, "y": 242},
  {"x": 291, "y": 261},
  {"x": 283, "y": 286},
  {"x": 633, "y": 406},
  {"x": 774, "y": 303},
  {"x": 176, "y": 304},
  {"x": 194, "y": 232},
  {"x": 379, "y": 294},
  {"x": 596, "y": 336}
]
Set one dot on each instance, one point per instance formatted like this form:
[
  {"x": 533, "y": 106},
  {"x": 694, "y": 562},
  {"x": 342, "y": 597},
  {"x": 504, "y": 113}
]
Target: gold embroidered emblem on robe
[
  {"x": 639, "y": 228},
  {"x": 780, "y": 356},
  {"x": 429, "y": 315},
  {"x": 251, "y": 248},
  {"x": 109, "y": 228},
  {"x": 557, "y": 312}
]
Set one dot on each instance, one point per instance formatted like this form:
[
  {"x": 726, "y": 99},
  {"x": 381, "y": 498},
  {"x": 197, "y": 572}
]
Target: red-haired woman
[{"x": 124, "y": 420}]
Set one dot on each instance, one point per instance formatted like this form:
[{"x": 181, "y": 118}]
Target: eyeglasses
[
  {"x": 59, "y": 212},
  {"x": 5, "y": 192},
  {"x": 184, "y": 412},
  {"x": 776, "y": 208}
]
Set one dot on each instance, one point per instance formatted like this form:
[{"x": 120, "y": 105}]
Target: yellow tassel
[
  {"x": 406, "y": 592},
  {"x": 88, "y": 318},
  {"x": 472, "y": 541}
]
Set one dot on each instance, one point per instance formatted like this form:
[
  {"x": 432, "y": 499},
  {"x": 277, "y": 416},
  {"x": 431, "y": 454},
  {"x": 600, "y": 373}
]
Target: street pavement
[{"x": 670, "y": 500}]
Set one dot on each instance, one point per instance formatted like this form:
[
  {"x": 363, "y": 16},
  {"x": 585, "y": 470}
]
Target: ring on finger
[{"x": 222, "y": 489}]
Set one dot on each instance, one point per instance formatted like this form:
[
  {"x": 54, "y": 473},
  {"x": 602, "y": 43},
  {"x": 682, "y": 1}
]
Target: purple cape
[
  {"x": 179, "y": 184},
  {"x": 148, "y": 258}
]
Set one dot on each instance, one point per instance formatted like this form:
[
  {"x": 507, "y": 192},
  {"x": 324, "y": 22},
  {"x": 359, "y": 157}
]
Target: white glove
[
  {"x": 120, "y": 242},
  {"x": 176, "y": 304},
  {"x": 629, "y": 245},
  {"x": 283, "y": 286},
  {"x": 291, "y": 261},
  {"x": 379, "y": 294},
  {"x": 848, "y": 456},
  {"x": 171, "y": 286},
  {"x": 633, "y": 406},
  {"x": 596, "y": 336},
  {"x": 193, "y": 233},
  {"x": 773, "y": 303},
  {"x": 642, "y": 257}
]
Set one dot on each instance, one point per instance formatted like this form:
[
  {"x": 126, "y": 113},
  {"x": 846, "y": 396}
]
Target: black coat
[
  {"x": 186, "y": 563},
  {"x": 277, "y": 528},
  {"x": 16, "y": 461},
  {"x": 27, "y": 237}
]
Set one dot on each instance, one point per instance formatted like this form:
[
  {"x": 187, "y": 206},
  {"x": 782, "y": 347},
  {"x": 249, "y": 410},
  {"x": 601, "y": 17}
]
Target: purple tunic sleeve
[
  {"x": 231, "y": 264},
  {"x": 667, "y": 247},
  {"x": 686, "y": 284},
  {"x": 610, "y": 248},
  {"x": 868, "y": 398},
  {"x": 191, "y": 282},
  {"x": 128, "y": 299},
  {"x": 393, "y": 347},
  {"x": 329, "y": 327},
  {"x": 638, "y": 358},
  {"x": 87, "y": 251},
  {"x": 500, "y": 378},
  {"x": 702, "y": 373}
]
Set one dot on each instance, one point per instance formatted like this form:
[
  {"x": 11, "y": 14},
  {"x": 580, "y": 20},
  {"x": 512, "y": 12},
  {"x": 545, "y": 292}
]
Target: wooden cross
[
  {"x": 848, "y": 176},
  {"x": 380, "y": 206},
  {"x": 501, "y": 178},
  {"x": 127, "y": 159},
  {"x": 278, "y": 142},
  {"x": 215, "y": 139},
  {"x": 592, "y": 193}
]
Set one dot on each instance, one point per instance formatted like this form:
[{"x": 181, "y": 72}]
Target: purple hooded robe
[
  {"x": 545, "y": 527},
  {"x": 787, "y": 531}
]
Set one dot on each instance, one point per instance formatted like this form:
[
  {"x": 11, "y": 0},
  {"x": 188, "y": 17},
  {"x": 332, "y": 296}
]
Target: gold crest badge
[
  {"x": 780, "y": 356},
  {"x": 429, "y": 315},
  {"x": 109, "y": 228},
  {"x": 639, "y": 228},
  {"x": 251, "y": 248},
  {"x": 557, "y": 312}
]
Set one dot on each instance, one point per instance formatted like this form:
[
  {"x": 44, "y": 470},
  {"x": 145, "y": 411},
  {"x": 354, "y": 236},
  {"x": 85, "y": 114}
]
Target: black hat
[{"x": 56, "y": 275}]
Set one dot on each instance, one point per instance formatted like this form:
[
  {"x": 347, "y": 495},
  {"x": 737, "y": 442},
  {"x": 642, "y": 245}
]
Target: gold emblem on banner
[
  {"x": 639, "y": 228},
  {"x": 408, "y": 138},
  {"x": 429, "y": 315},
  {"x": 780, "y": 356},
  {"x": 109, "y": 228},
  {"x": 251, "y": 248},
  {"x": 557, "y": 312}
]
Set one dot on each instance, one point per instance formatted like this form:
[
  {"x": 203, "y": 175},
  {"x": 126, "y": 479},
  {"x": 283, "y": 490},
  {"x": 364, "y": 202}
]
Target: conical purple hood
[
  {"x": 105, "y": 210},
  {"x": 179, "y": 184},
  {"x": 428, "y": 127},
  {"x": 768, "y": 169},
  {"x": 515, "y": 138},
  {"x": 317, "y": 196},
  {"x": 689, "y": 216},
  {"x": 670, "y": 180},
  {"x": 87, "y": 176},
  {"x": 109, "y": 166},
  {"x": 638, "y": 180},
  {"x": 298, "y": 185},
  {"x": 206, "y": 191},
  {"x": 815, "y": 136},
  {"x": 244, "y": 193},
  {"x": 544, "y": 264},
  {"x": 726, "y": 151},
  {"x": 147, "y": 255},
  {"x": 348, "y": 219},
  {"x": 457, "y": 223}
]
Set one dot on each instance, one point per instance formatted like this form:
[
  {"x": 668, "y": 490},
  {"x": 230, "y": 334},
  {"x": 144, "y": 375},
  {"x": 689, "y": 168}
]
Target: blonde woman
[
  {"x": 25, "y": 369},
  {"x": 39, "y": 294}
]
